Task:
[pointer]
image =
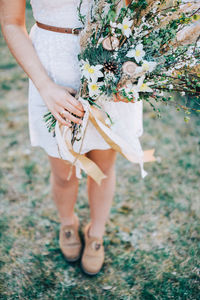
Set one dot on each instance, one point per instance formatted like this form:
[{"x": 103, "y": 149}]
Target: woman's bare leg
[
  {"x": 100, "y": 197},
  {"x": 64, "y": 191}
]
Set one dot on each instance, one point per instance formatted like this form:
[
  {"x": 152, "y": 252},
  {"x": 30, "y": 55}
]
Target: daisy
[
  {"x": 143, "y": 87},
  {"x": 138, "y": 53},
  {"x": 91, "y": 72},
  {"x": 148, "y": 66},
  {"x": 94, "y": 90},
  {"x": 113, "y": 24},
  {"x": 131, "y": 91},
  {"x": 125, "y": 27}
]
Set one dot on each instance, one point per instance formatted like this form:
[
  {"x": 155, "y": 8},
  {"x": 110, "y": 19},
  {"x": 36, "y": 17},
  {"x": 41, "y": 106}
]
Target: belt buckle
[{"x": 75, "y": 28}]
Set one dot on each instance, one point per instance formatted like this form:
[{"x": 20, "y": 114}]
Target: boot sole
[
  {"x": 88, "y": 273},
  {"x": 72, "y": 259}
]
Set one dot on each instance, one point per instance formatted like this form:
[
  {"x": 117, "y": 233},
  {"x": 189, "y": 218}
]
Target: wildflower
[
  {"x": 113, "y": 24},
  {"x": 131, "y": 91},
  {"x": 94, "y": 88},
  {"x": 91, "y": 72},
  {"x": 125, "y": 27},
  {"x": 138, "y": 53},
  {"x": 144, "y": 87},
  {"x": 148, "y": 66}
]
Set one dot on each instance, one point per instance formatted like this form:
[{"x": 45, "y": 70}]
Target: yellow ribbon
[
  {"x": 112, "y": 139},
  {"x": 87, "y": 164},
  {"x": 120, "y": 146}
]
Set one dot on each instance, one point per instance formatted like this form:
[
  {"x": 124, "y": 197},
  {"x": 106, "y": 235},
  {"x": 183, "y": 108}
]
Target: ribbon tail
[
  {"x": 90, "y": 167},
  {"x": 116, "y": 142},
  {"x": 80, "y": 160},
  {"x": 143, "y": 172},
  {"x": 149, "y": 155}
]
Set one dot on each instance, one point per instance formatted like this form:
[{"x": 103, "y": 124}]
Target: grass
[{"x": 152, "y": 240}]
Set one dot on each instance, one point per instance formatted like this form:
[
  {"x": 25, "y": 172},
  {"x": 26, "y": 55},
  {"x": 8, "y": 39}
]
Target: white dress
[{"x": 58, "y": 54}]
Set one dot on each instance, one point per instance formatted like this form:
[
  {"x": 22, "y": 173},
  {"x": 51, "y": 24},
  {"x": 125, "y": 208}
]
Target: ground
[{"x": 152, "y": 237}]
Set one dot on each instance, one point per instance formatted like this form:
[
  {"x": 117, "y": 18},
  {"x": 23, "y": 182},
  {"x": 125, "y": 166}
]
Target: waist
[{"x": 66, "y": 30}]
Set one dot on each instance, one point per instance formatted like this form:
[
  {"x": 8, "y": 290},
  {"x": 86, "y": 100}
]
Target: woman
[{"x": 49, "y": 58}]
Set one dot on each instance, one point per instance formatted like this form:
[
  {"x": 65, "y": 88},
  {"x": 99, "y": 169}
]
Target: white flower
[
  {"x": 134, "y": 92},
  {"x": 113, "y": 24},
  {"x": 169, "y": 72},
  {"x": 144, "y": 87},
  {"x": 109, "y": 76},
  {"x": 180, "y": 65},
  {"x": 131, "y": 91},
  {"x": 125, "y": 27},
  {"x": 160, "y": 94},
  {"x": 115, "y": 54},
  {"x": 148, "y": 66},
  {"x": 91, "y": 72},
  {"x": 171, "y": 86},
  {"x": 193, "y": 62},
  {"x": 182, "y": 93},
  {"x": 154, "y": 10},
  {"x": 190, "y": 50},
  {"x": 138, "y": 53},
  {"x": 94, "y": 88}
]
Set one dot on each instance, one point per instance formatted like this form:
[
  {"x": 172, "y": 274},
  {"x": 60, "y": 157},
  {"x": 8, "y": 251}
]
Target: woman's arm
[{"x": 57, "y": 98}]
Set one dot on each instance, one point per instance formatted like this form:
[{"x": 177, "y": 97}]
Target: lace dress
[{"x": 58, "y": 54}]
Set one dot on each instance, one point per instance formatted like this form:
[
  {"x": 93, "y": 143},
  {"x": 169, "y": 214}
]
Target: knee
[
  {"x": 62, "y": 180},
  {"x": 105, "y": 160},
  {"x": 107, "y": 167}
]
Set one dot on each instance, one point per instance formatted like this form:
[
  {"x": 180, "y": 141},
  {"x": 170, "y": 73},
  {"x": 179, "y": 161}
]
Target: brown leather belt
[{"x": 59, "y": 29}]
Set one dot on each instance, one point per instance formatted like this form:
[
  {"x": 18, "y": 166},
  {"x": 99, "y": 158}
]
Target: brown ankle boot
[
  {"x": 69, "y": 241},
  {"x": 93, "y": 254}
]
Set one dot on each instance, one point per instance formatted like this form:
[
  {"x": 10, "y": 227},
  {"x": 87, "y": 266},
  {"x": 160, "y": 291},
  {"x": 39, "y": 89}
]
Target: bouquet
[{"x": 132, "y": 51}]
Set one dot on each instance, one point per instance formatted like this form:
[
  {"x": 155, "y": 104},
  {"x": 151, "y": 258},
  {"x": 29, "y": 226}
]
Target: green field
[{"x": 152, "y": 240}]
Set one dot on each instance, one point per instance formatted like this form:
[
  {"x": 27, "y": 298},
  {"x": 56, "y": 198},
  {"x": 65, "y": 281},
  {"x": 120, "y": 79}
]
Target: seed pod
[
  {"x": 110, "y": 43},
  {"x": 129, "y": 68}
]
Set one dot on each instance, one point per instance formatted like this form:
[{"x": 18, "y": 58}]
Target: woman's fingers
[
  {"x": 75, "y": 102},
  {"x": 62, "y": 120},
  {"x": 68, "y": 116},
  {"x": 73, "y": 109},
  {"x": 63, "y": 105},
  {"x": 71, "y": 91}
]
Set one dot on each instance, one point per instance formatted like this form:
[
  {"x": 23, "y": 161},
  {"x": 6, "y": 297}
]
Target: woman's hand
[
  {"x": 58, "y": 99},
  {"x": 62, "y": 104}
]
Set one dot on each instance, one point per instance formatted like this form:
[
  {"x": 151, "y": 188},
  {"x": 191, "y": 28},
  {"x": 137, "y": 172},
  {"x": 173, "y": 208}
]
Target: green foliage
[{"x": 158, "y": 40}]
